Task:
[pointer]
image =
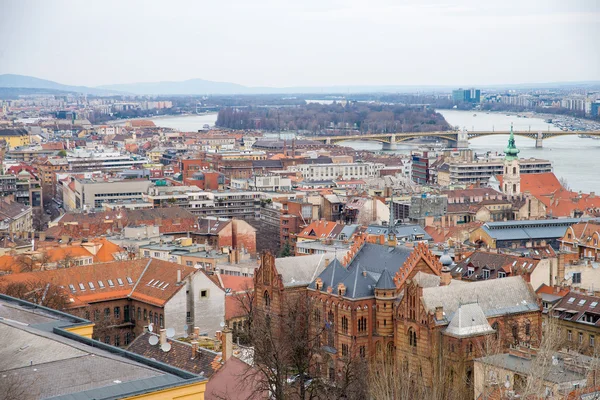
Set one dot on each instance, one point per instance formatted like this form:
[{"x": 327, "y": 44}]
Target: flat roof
[{"x": 39, "y": 353}]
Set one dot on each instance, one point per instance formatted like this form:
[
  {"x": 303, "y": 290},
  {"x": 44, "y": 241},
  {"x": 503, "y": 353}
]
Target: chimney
[
  {"x": 560, "y": 270},
  {"x": 163, "y": 336},
  {"x": 42, "y": 236},
  {"x": 446, "y": 277},
  {"x": 439, "y": 313},
  {"x": 327, "y": 261},
  {"x": 196, "y": 332},
  {"x": 178, "y": 276},
  {"x": 194, "y": 348},
  {"x": 227, "y": 344}
]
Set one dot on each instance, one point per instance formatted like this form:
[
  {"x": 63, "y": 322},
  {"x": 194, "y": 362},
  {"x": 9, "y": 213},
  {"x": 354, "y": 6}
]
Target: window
[
  {"x": 129, "y": 280},
  {"x": 576, "y": 277},
  {"x": 81, "y": 286},
  {"x": 126, "y": 314},
  {"x": 101, "y": 284},
  {"x": 139, "y": 314},
  {"x": 570, "y": 335},
  {"x": 189, "y": 263},
  {"x": 96, "y": 315},
  {"x": 345, "y": 324},
  {"x": 580, "y": 338},
  {"x": 110, "y": 283},
  {"x": 127, "y": 338},
  {"x": 486, "y": 274},
  {"x": 344, "y": 350},
  {"x": 162, "y": 321},
  {"x": 150, "y": 316},
  {"x": 120, "y": 281},
  {"x": 87, "y": 315},
  {"x": 117, "y": 340},
  {"x": 592, "y": 340},
  {"x": 106, "y": 313},
  {"x": 501, "y": 274},
  {"x": 267, "y": 299},
  {"x": 515, "y": 333},
  {"x": 412, "y": 337},
  {"x": 204, "y": 293},
  {"x": 363, "y": 351},
  {"x": 145, "y": 315},
  {"x": 362, "y": 324},
  {"x": 527, "y": 328},
  {"x": 107, "y": 339}
]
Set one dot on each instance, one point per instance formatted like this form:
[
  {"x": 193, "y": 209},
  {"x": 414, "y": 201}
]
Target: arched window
[
  {"x": 412, "y": 337},
  {"x": 267, "y": 299},
  {"x": 390, "y": 351},
  {"x": 330, "y": 329},
  {"x": 345, "y": 324},
  {"x": 514, "y": 170},
  {"x": 150, "y": 315},
  {"x": 527, "y": 328},
  {"x": 139, "y": 314},
  {"x": 514, "y": 187},
  {"x": 515, "y": 333}
]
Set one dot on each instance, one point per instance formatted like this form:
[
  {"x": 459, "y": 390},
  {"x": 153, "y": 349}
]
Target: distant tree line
[{"x": 352, "y": 117}]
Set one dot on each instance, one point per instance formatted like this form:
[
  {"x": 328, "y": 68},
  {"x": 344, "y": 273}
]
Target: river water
[{"x": 575, "y": 159}]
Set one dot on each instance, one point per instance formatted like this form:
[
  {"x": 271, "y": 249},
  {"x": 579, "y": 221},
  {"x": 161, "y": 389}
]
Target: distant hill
[
  {"x": 30, "y": 82},
  {"x": 189, "y": 87},
  {"x": 201, "y": 87}
]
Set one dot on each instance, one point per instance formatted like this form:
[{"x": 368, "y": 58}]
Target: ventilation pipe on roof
[{"x": 178, "y": 276}]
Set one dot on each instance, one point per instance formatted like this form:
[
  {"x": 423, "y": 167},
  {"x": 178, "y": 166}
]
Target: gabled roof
[
  {"x": 537, "y": 184},
  {"x": 494, "y": 263},
  {"x": 301, "y": 271},
  {"x": 575, "y": 304},
  {"x": 148, "y": 280}
]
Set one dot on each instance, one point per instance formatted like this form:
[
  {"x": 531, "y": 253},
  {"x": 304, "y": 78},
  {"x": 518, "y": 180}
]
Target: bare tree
[
  {"x": 42, "y": 293},
  {"x": 15, "y": 387}
]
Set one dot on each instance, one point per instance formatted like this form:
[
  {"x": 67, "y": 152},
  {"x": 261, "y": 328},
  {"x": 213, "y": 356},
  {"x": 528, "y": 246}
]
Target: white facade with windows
[{"x": 346, "y": 171}]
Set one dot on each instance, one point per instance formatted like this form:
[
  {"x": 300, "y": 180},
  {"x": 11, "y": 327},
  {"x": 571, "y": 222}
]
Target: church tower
[{"x": 511, "y": 178}]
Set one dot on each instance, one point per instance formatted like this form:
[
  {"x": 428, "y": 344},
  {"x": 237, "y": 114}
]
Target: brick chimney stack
[
  {"x": 196, "y": 332},
  {"x": 439, "y": 313},
  {"x": 163, "y": 336},
  {"x": 194, "y": 348},
  {"x": 226, "y": 343}
]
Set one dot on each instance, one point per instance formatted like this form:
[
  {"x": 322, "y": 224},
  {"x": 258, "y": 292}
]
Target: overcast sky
[{"x": 302, "y": 42}]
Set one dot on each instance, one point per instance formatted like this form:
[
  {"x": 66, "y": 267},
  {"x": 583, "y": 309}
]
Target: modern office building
[{"x": 467, "y": 95}]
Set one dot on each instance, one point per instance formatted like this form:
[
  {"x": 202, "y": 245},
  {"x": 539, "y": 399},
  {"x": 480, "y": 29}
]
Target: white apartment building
[
  {"x": 271, "y": 183},
  {"x": 345, "y": 171}
]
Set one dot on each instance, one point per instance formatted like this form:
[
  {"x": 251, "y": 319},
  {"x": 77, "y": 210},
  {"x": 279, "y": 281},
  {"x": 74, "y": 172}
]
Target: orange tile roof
[
  {"x": 150, "y": 280},
  {"x": 237, "y": 283},
  {"x": 538, "y": 184},
  {"x": 318, "y": 230},
  {"x": 545, "y": 289}
]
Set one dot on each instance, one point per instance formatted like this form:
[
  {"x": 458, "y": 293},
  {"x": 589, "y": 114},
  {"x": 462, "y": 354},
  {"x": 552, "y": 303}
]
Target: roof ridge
[{"x": 140, "y": 277}]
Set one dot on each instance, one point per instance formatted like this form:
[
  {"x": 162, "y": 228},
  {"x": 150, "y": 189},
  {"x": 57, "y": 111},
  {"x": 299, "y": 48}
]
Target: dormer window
[
  {"x": 341, "y": 289},
  {"x": 319, "y": 284}
]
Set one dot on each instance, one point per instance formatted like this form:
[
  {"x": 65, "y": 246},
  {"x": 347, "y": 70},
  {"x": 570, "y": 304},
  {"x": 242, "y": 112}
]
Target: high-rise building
[{"x": 466, "y": 95}]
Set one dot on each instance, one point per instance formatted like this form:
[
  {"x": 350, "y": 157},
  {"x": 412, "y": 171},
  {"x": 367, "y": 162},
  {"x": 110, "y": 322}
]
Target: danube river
[{"x": 575, "y": 159}]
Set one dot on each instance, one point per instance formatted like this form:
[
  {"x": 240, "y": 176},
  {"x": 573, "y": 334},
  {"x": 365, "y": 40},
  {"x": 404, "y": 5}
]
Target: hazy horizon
[{"x": 269, "y": 43}]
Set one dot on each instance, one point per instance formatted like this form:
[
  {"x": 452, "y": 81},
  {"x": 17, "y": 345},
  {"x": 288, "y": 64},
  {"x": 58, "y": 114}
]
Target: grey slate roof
[
  {"x": 522, "y": 230},
  {"x": 385, "y": 281},
  {"x": 365, "y": 270},
  {"x": 495, "y": 297},
  {"x": 468, "y": 320}
]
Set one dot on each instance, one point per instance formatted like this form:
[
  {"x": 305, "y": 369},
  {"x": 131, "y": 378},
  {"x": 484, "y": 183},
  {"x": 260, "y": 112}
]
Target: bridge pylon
[
  {"x": 462, "y": 140},
  {"x": 539, "y": 139}
]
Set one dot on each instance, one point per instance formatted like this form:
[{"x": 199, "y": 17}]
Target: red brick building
[
  {"x": 236, "y": 234},
  {"x": 401, "y": 301}
]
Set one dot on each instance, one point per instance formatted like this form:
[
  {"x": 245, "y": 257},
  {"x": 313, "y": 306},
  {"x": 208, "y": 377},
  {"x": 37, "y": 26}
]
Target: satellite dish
[
  {"x": 150, "y": 327},
  {"x": 165, "y": 347},
  {"x": 170, "y": 332},
  {"x": 507, "y": 384},
  {"x": 222, "y": 324},
  {"x": 153, "y": 340},
  {"x": 185, "y": 328}
]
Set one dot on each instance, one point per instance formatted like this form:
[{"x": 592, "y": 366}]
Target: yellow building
[
  {"x": 43, "y": 345},
  {"x": 14, "y": 137}
]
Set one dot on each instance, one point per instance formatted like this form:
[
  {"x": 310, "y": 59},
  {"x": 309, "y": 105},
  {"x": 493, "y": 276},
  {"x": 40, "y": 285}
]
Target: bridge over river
[{"x": 458, "y": 139}]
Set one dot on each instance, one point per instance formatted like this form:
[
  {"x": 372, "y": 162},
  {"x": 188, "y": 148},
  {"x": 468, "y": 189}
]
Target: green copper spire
[{"x": 511, "y": 150}]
